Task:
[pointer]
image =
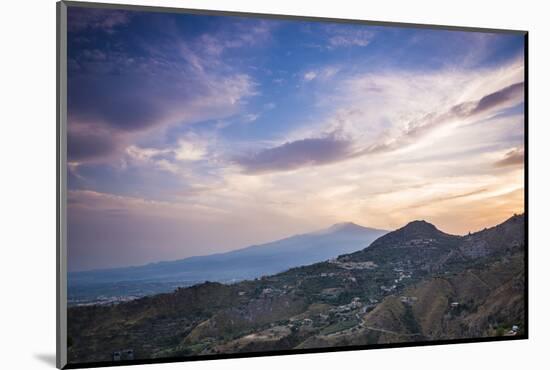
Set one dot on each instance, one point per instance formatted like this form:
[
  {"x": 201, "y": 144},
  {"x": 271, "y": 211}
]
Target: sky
[{"x": 192, "y": 134}]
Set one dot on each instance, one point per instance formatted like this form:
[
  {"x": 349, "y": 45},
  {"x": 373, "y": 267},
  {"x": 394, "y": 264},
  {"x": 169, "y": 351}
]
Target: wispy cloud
[
  {"x": 251, "y": 117},
  {"x": 175, "y": 159},
  {"x": 319, "y": 151},
  {"x": 413, "y": 130},
  {"x": 349, "y": 36},
  {"x": 445, "y": 198},
  {"x": 323, "y": 74},
  {"x": 236, "y": 35}
]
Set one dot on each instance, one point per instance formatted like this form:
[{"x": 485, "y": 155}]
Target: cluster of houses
[
  {"x": 267, "y": 291},
  {"x": 388, "y": 289},
  {"x": 353, "y": 265},
  {"x": 402, "y": 274},
  {"x": 420, "y": 241},
  {"x": 103, "y": 301},
  {"x": 353, "y": 305},
  {"x": 333, "y": 274},
  {"x": 270, "y": 291},
  {"x": 344, "y": 312}
]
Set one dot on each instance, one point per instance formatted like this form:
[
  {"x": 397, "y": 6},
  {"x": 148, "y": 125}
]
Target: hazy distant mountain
[{"x": 246, "y": 263}]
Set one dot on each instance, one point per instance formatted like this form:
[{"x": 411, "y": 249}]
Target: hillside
[{"x": 413, "y": 284}]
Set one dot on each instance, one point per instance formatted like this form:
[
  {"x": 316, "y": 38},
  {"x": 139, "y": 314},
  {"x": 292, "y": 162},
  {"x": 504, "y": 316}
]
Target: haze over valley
[{"x": 122, "y": 284}]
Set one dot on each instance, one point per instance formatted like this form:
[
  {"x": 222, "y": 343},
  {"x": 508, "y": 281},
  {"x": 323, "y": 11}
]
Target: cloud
[
  {"x": 318, "y": 151},
  {"x": 413, "y": 130},
  {"x": 349, "y": 37},
  {"x": 296, "y": 154},
  {"x": 337, "y": 36},
  {"x": 515, "y": 157},
  {"x": 82, "y": 19},
  {"x": 251, "y": 117},
  {"x": 174, "y": 159},
  {"x": 499, "y": 97},
  {"x": 236, "y": 35},
  {"x": 322, "y": 74},
  {"x": 145, "y": 89},
  {"x": 190, "y": 150},
  {"x": 159, "y": 158},
  {"x": 136, "y": 101},
  {"x": 446, "y": 198},
  {"x": 309, "y": 76}
]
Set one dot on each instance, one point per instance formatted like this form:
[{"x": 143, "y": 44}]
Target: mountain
[
  {"x": 246, "y": 263},
  {"x": 416, "y": 283},
  {"x": 415, "y": 230},
  {"x": 414, "y": 234}
]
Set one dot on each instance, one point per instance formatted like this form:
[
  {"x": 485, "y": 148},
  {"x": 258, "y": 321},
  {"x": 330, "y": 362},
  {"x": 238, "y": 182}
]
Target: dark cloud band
[
  {"x": 296, "y": 154},
  {"x": 514, "y": 157}
]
